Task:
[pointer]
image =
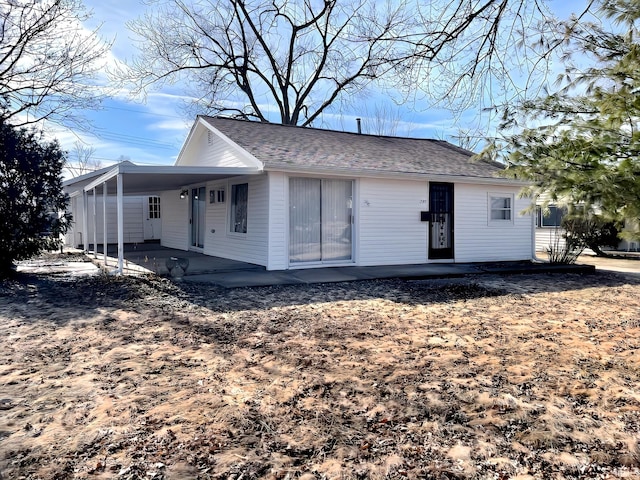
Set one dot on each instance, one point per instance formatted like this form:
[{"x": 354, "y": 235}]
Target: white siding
[
  {"x": 389, "y": 230},
  {"x": 221, "y": 242},
  {"x": 219, "y": 153},
  {"x": 133, "y": 212},
  {"x": 479, "y": 240},
  {"x": 70, "y": 237},
  {"x": 278, "y": 214},
  {"x": 548, "y": 236},
  {"x": 175, "y": 220},
  {"x": 73, "y": 237}
]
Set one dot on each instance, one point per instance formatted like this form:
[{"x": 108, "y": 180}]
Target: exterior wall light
[{"x": 184, "y": 193}]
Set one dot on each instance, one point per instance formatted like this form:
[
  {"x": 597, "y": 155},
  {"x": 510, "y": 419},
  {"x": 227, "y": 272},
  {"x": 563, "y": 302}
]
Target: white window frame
[
  {"x": 231, "y": 209},
  {"x": 500, "y": 221}
]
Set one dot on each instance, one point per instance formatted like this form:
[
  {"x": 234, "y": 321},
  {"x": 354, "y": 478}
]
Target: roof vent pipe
[{"x": 359, "y": 122}]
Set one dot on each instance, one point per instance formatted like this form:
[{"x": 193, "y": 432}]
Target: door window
[{"x": 154, "y": 207}]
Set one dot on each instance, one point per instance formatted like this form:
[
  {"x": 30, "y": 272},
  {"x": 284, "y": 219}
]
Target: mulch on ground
[{"x": 496, "y": 377}]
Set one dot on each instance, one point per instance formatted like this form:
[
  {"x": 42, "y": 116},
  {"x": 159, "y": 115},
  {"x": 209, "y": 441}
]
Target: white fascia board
[
  {"x": 103, "y": 178},
  {"x": 187, "y": 140},
  {"x": 207, "y": 126},
  {"x": 131, "y": 169},
  {"x": 244, "y": 153},
  {"x": 86, "y": 176},
  {"x": 346, "y": 172},
  {"x": 169, "y": 169}
]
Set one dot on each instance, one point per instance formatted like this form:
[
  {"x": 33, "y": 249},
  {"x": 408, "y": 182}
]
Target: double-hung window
[{"x": 500, "y": 208}]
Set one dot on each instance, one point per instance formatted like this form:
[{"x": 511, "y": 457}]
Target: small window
[
  {"x": 550, "y": 216},
  {"x": 154, "y": 207},
  {"x": 216, "y": 196},
  {"x": 500, "y": 208},
  {"x": 238, "y": 208}
]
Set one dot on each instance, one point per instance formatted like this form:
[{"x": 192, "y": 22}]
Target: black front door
[{"x": 440, "y": 220}]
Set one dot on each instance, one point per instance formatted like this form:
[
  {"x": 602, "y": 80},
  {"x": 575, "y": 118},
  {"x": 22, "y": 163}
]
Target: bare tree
[
  {"x": 381, "y": 118},
  {"x": 292, "y": 60},
  {"x": 82, "y": 160},
  {"x": 48, "y": 62},
  {"x": 479, "y": 52},
  {"x": 468, "y": 139},
  {"x": 247, "y": 58}
]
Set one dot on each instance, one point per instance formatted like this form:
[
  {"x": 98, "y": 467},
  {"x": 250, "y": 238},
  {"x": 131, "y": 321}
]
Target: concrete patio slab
[
  {"x": 74, "y": 269},
  {"x": 151, "y": 259},
  {"x": 245, "y": 278},
  {"x": 255, "y": 278},
  {"x": 325, "y": 275}
]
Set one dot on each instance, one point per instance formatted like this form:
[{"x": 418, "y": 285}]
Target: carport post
[
  {"x": 95, "y": 226},
  {"x": 85, "y": 222},
  {"x": 104, "y": 221},
  {"x": 119, "y": 195}
]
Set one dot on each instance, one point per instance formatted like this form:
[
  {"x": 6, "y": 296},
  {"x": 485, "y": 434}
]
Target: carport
[{"x": 126, "y": 178}]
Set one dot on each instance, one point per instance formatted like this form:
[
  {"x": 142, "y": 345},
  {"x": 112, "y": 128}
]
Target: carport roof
[{"x": 141, "y": 179}]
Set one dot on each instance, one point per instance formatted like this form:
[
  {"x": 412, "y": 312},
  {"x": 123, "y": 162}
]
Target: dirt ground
[{"x": 488, "y": 377}]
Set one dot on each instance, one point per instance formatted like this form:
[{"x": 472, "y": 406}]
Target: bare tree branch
[
  {"x": 81, "y": 160},
  {"x": 293, "y": 60},
  {"x": 48, "y": 62}
]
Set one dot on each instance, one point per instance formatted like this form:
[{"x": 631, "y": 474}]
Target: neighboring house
[
  {"x": 630, "y": 245},
  {"x": 548, "y": 231},
  {"x": 289, "y": 197}
]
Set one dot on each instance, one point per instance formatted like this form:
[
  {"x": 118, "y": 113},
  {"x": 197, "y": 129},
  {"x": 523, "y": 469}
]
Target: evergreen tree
[
  {"x": 32, "y": 200},
  {"x": 581, "y": 145}
]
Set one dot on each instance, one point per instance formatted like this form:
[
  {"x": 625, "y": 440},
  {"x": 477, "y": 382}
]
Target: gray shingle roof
[{"x": 281, "y": 146}]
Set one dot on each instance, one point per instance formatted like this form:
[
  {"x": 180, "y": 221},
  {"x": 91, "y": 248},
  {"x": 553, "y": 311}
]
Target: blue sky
[{"x": 152, "y": 131}]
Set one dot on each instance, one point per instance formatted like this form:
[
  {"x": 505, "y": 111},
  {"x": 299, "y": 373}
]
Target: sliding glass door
[{"x": 320, "y": 220}]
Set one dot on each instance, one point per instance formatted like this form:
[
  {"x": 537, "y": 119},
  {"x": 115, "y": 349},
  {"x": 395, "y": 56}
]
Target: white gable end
[{"x": 206, "y": 147}]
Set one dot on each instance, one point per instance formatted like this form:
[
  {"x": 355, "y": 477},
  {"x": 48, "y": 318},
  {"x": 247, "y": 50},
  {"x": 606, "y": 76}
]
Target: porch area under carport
[
  {"x": 152, "y": 258},
  {"x": 126, "y": 179}
]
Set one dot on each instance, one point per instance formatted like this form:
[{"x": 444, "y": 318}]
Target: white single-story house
[{"x": 289, "y": 197}]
